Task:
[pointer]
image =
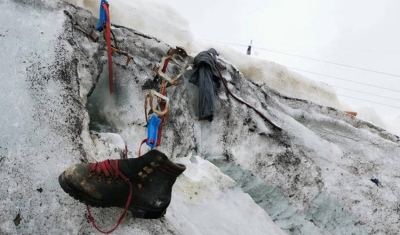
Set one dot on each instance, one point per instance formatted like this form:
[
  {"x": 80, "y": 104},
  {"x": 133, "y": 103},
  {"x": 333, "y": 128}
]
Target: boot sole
[{"x": 83, "y": 198}]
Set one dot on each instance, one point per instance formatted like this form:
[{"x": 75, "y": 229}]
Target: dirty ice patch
[
  {"x": 36, "y": 141},
  {"x": 108, "y": 146},
  {"x": 206, "y": 201},
  {"x": 275, "y": 76}
]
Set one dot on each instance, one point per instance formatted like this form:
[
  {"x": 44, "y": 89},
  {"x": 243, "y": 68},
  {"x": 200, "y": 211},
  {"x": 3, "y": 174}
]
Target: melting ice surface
[
  {"x": 161, "y": 20},
  {"x": 212, "y": 196}
]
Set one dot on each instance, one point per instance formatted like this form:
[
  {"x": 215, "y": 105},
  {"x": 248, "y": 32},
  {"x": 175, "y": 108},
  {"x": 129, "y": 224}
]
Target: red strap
[
  {"x": 163, "y": 92},
  {"x": 143, "y": 141},
  {"x": 103, "y": 168},
  {"x": 128, "y": 202},
  {"x": 165, "y": 65},
  {"x": 159, "y": 134},
  {"x": 110, "y": 168},
  {"x": 108, "y": 40},
  {"x": 126, "y": 152}
]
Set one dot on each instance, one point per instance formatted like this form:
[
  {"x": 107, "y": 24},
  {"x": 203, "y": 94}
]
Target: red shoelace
[{"x": 110, "y": 168}]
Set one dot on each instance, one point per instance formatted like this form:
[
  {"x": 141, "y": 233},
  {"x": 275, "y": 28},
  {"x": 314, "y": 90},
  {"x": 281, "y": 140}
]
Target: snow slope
[{"x": 242, "y": 177}]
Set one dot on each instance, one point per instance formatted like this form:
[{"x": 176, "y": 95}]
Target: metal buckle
[
  {"x": 150, "y": 96},
  {"x": 175, "y": 55}
]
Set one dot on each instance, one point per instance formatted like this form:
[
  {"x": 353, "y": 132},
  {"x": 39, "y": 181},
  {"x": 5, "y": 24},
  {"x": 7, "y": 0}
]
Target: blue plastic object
[
  {"x": 103, "y": 16},
  {"x": 152, "y": 131},
  {"x": 375, "y": 180}
]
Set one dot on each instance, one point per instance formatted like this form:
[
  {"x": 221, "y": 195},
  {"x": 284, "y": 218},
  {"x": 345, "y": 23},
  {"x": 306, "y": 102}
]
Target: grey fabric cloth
[{"x": 206, "y": 77}]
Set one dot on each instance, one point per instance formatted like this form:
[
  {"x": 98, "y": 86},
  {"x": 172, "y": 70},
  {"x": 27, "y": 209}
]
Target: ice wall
[
  {"x": 161, "y": 20},
  {"x": 45, "y": 129},
  {"x": 164, "y": 22},
  {"x": 316, "y": 172}
]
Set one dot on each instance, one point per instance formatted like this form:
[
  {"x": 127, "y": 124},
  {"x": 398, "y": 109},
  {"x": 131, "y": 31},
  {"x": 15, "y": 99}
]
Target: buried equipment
[
  {"x": 159, "y": 113},
  {"x": 153, "y": 124},
  {"x": 152, "y": 131},
  {"x": 104, "y": 24},
  {"x": 172, "y": 55}
]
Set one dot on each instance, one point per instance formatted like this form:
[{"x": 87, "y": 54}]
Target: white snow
[
  {"x": 150, "y": 17},
  {"x": 204, "y": 192},
  {"x": 37, "y": 140}
]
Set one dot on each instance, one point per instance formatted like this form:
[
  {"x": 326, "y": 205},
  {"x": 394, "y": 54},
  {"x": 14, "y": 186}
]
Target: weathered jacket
[{"x": 206, "y": 77}]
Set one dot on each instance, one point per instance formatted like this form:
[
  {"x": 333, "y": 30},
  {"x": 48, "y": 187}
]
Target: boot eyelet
[
  {"x": 143, "y": 176},
  {"x": 154, "y": 165},
  {"x": 147, "y": 169},
  {"x": 99, "y": 178},
  {"x": 109, "y": 179}
]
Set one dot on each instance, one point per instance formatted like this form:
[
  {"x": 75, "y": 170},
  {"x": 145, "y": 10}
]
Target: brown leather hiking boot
[{"x": 144, "y": 184}]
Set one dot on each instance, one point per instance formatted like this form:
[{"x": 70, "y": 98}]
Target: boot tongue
[
  {"x": 131, "y": 167},
  {"x": 166, "y": 165},
  {"x": 172, "y": 168}
]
